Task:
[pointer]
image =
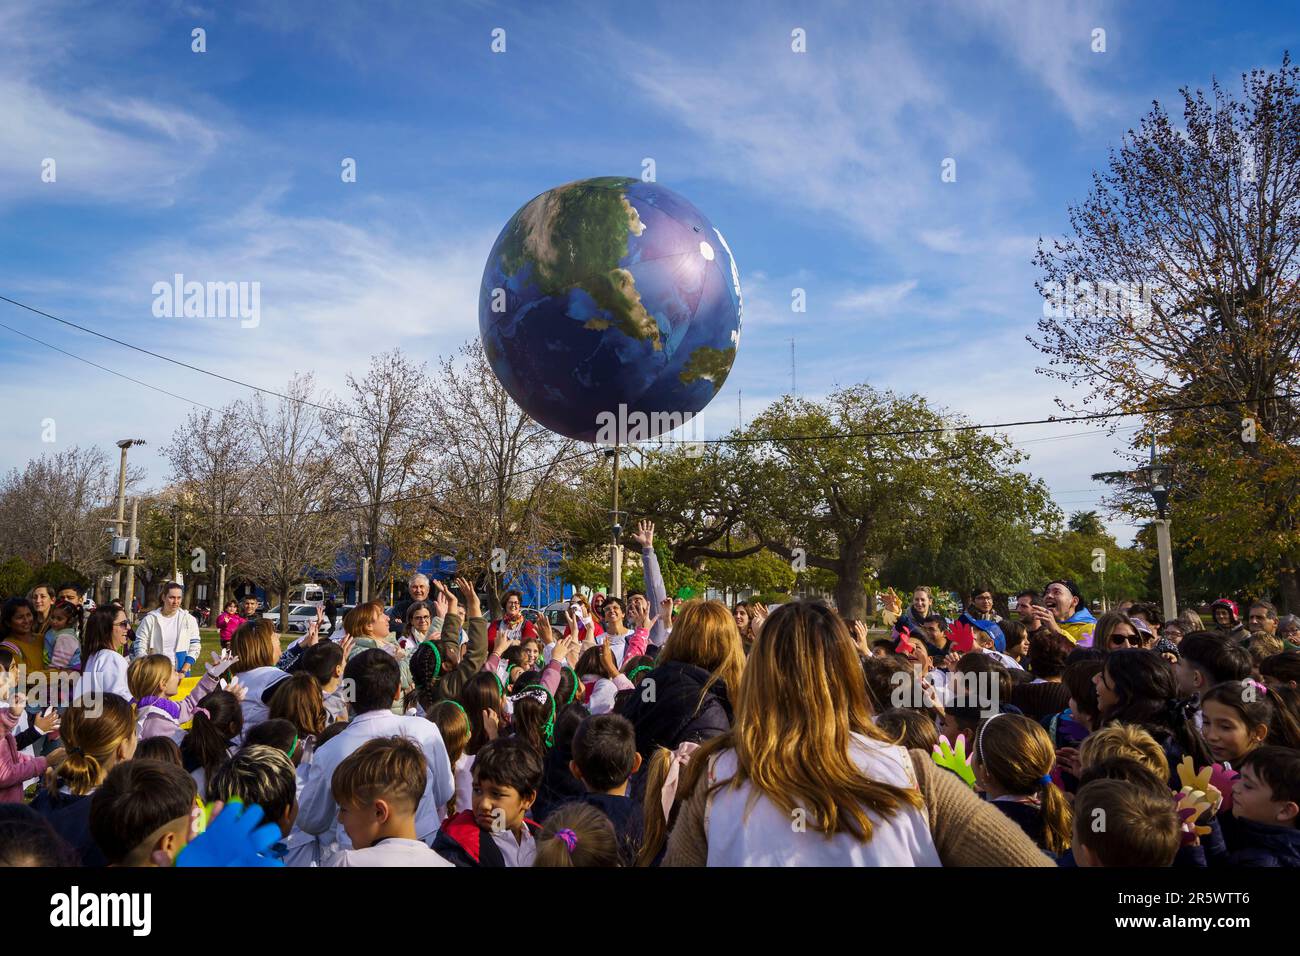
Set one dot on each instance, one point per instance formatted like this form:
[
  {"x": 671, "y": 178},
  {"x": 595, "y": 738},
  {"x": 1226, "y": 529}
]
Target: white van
[{"x": 307, "y": 594}]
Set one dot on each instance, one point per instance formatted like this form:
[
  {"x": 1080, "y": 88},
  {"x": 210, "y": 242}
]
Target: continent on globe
[{"x": 610, "y": 296}]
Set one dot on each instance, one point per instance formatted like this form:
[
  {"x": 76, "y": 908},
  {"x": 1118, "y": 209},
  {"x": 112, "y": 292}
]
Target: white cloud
[
  {"x": 877, "y": 298},
  {"x": 108, "y": 146}
]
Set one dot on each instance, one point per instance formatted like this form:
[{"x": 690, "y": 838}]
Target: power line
[
  {"x": 951, "y": 429},
  {"x": 104, "y": 368},
  {"x": 186, "y": 365}
]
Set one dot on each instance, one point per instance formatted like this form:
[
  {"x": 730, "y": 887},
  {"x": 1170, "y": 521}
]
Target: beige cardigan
[{"x": 966, "y": 830}]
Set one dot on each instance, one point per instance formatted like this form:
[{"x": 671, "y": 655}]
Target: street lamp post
[
  {"x": 1158, "y": 479},
  {"x": 615, "y": 549},
  {"x": 120, "y": 520},
  {"x": 366, "y": 552}
]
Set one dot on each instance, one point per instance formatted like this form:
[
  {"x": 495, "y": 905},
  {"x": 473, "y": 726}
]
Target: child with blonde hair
[
  {"x": 153, "y": 679},
  {"x": 378, "y": 788}
]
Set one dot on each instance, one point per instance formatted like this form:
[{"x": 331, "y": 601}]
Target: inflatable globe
[{"x": 610, "y": 309}]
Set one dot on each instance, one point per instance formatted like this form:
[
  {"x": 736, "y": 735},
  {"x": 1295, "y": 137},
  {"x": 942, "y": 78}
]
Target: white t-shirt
[
  {"x": 391, "y": 852},
  {"x": 464, "y": 771},
  {"x": 747, "y": 829}
]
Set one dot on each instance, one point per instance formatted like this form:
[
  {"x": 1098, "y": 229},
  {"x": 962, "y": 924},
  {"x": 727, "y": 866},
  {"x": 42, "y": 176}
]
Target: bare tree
[
  {"x": 500, "y": 477},
  {"x": 293, "y": 525},
  {"x": 211, "y": 461},
  {"x": 55, "y": 509},
  {"x": 379, "y": 433}
]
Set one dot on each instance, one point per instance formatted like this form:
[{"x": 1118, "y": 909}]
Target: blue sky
[{"x": 821, "y": 168}]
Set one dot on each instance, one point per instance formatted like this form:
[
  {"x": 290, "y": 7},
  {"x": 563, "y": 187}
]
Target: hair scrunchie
[{"x": 569, "y": 837}]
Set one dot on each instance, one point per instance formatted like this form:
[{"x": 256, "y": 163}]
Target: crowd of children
[{"x": 697, "y": 736}]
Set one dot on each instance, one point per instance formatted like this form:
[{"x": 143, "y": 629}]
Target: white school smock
[
  {"x": 768, "y": 838},
  {"x": 104, "y": 673}
]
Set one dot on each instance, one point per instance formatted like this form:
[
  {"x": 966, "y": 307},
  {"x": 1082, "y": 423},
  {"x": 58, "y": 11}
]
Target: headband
[
  {"x": 636, "y": 670},
  {"x": 437, "y": 661},
  {"x": 573, "y": 691},
  {"x": 294, "y": 747},
  {"x": 457, "y": 705},
  {"x": 979, "y": 737},
  {"x": 569, "y": 837},
  {"x": 531, "y": 692}
]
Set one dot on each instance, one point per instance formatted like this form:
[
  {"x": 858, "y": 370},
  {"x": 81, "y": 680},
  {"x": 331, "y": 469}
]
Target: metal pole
[
  {"x": 615, "y": 565},
  {"x": 117, "y": 525},
  {"x": 176, "y": 519},
  {"x": 219, "y": 602},
  {"x": 365, "y": 580},
  {"x": 130, "y": 553},
  {"x": 1166, "y": 557}
]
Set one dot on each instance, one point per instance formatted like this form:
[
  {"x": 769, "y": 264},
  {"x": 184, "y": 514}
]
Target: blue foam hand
[{"x": 233, "y": 838}]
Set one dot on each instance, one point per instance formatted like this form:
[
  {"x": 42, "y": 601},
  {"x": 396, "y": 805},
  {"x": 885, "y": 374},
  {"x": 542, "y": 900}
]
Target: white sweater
[{"x": 764, "y": 835}]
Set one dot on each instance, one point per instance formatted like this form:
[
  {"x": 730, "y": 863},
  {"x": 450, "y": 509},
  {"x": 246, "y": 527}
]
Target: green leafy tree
[
  {"x": 14, "y": 575},
  {"x": 902, "y": 473}
]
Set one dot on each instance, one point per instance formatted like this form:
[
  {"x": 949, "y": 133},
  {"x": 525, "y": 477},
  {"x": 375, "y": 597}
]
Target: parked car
[{"x": 300, "y": 616}]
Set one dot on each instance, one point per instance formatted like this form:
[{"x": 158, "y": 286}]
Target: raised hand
[
  {"x": 544, "y": 632},
  {"x": 220, "y": 664},
  {"x": 572, "y": 620},
  {"x": 440, "y": 600},
  {"x": 18, "y": 703},
  {"x": 239, "y": 690},
  {"x": 607, "y": 661},
  {"x": 644, "y": 534},
  {"x": 473, "y": 607},
  {"x": 313, "y": 631},
  {"x": 491, "y": 723},
  {"x": 650, "y": 624},
  {"x": 955, "y": 760},
  {"x": 758, "y": 618},
  {"x": 48, "y": 721},
  {"x": 348, "y": 644},
  {"x": 502, "y": 642},
  {"x": 860, "y": 638}
]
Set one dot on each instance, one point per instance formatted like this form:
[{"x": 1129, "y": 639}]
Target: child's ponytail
[
  {"x": 1058, "y": 822},
  {"x": 666, "y": 769},
  {"x": 577, "y": 835},
  {"x": 218, "y": 720},
  {"x": 93, "y": 729}
]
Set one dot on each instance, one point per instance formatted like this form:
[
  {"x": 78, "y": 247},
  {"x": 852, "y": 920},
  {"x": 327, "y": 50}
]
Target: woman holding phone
[{"x": 586, "y": 623}]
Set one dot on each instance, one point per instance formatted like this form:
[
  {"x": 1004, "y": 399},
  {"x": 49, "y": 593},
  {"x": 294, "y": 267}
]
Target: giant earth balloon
[{"x": 610, "y": 309}]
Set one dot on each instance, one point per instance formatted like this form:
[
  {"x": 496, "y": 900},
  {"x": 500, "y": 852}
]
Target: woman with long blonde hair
[
  {"x": 687, "y": 697},
  {"x": 804, "y": 778}
]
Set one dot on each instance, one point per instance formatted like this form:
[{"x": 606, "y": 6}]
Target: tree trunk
[
  {"x": 1288, "y": 581},
  {"x": 850, "y": 594}
]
